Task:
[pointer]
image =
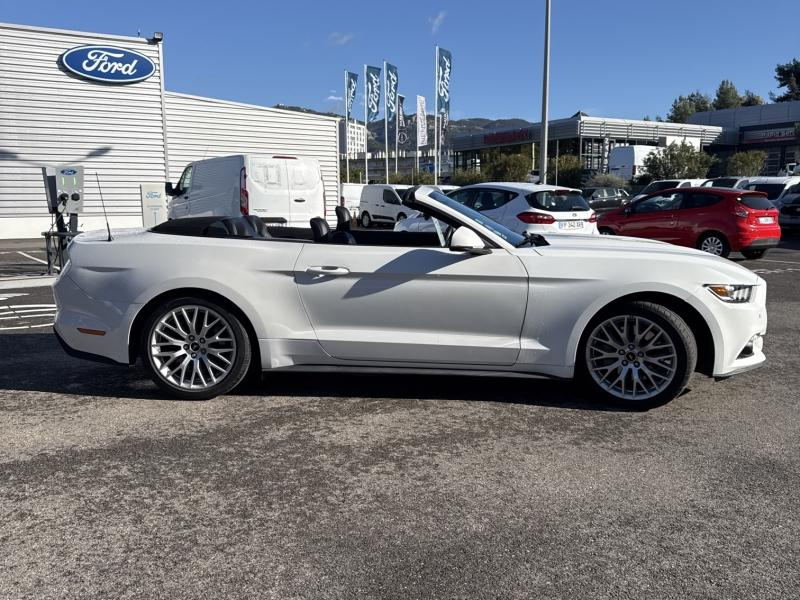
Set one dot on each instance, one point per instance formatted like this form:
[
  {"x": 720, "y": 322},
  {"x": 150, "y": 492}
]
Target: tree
[
  {"x": 606, "y": 180},
  {"x": 751, "y": 99},
  {"x": 684, "y": 106},
  {"x": 461, "y": 177},
  {"x": 788, "y": 76},
  {"x": 507, "y": 167},
  {"x": 746, "y": 164},
  {"x": 569, "y": 170},
  {"x": 727, "y": 96},
  {"x": 682, "y": 161}
]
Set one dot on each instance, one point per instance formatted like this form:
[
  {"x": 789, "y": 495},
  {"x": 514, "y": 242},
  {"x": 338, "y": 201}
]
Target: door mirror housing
[
  {"x": 628, "y": 210},
  {"x": 466, "y": 240},
  {"x": 171, "y": 190}
]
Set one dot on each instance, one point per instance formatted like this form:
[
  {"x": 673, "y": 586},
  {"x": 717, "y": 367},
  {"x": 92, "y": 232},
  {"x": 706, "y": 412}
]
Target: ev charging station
[{"x": 64, "y": 189}]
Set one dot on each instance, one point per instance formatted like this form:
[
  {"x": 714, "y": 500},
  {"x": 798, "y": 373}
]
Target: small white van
[
  {"x": 282, "y": 190},
  {"x": 628, "y": 161},
  {"x": 350, "y": 196},
  {"x": 380, "y": 203}
]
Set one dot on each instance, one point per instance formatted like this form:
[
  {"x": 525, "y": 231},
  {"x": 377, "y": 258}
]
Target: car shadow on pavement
[{"x": 36, "y": 363}]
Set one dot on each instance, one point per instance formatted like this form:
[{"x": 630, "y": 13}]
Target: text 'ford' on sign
[{"x": 108, "y": 64}]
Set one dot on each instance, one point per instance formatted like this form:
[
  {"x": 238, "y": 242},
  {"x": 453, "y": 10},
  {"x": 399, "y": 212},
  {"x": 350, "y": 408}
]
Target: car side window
[
  {"x": 699, "y": 200},
  {"x": 658, "y": 203},
  {"x": 185, "y": 182},
  {"x": 487, "y": 199},
  {"x": 390, "y": 197}
]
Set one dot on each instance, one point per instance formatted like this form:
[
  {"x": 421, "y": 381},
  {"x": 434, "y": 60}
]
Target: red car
[{"x": 716, "y": 220}]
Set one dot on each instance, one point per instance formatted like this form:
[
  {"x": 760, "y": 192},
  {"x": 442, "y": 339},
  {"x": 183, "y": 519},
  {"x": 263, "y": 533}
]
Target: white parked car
[
  {"x": 381, "y": 203},
  {"x": 522, "y": 207},
  {"x": 279, "y": 189},
  {"x": 667, "y": 184},
  {"x": 728, "y": 182},
  {"x": 774, "y": 187},
  {"x": 201, "y": 301}
]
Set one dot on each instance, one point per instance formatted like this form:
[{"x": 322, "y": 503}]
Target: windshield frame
[{"x": 430, "y": 201}]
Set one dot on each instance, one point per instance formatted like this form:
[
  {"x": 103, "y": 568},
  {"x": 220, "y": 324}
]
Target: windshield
[
  {"x": 657, "y": 186},
  {"x": 773, "y": 190},
  {"x": 724, "y": 182},
  {"x": 557, "y": 201},
  {"x": 503, "y": 232}
]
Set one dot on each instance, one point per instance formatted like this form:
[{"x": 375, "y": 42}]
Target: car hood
[{"x": 624, "y": 249}]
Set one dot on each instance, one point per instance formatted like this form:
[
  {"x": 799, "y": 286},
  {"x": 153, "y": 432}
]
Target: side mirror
[
  {"x": 466, "y": 240},
  {"x": 170, "y": 190},
  {"x": 627, "y": 211}
]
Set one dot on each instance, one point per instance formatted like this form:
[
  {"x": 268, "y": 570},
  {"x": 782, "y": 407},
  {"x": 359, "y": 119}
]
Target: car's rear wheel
[
  {"x": 639, "y": 354},
  {"x": 195, "y": 349},
  {"x": 366, "y": 220},
  {"x": 401, "y": 217},
  {"x": 714, "y": 243},
  {"x": 605, "y": 231},
  {"x": 754, "y": 253}
]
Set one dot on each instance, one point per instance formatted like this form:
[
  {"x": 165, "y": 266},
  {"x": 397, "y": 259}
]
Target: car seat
[
  {"x": 323, "y": 235},
  {"x": 343, "y": 219}
]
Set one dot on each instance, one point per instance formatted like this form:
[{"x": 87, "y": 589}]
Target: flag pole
[
  {"x": 436, "y": 118},
  {"x": 346, "y": 128},
  {"x": 396, "y": 126},
  {"x": 366, "y": 129},
  {"x": 385, "y": 123}
]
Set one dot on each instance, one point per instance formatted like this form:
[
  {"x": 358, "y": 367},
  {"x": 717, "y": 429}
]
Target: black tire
[
  {"x": 401, "y": 216},
  {"x": 366, "y": 220},
  {"x": 754, "y": 253},
  {"x": 240, "y": 357},
  {"x": 671, "y": 325},
  {"x": 605, "y": 231},
  {"x": 714, "y": 239}
]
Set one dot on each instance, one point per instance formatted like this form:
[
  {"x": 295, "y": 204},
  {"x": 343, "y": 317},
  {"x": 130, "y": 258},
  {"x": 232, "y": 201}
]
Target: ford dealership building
[{"x": 96, "y": 100}]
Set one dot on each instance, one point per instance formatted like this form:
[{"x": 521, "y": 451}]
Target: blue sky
[{"x": 620, "y": 58}]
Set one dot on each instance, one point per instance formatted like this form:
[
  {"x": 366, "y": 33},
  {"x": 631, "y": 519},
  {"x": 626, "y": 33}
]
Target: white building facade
[
  {"x": 356, "y": 139},
  {"x": 124, "y": 134}
]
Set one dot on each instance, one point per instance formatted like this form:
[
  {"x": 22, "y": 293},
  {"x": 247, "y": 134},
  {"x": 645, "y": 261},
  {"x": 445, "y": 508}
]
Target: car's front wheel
[
  {"x": 605, "y": 231},
  {"x": 195, "y": 349},
  {"x": 639, "y": 354},
  {"x": 366, "y": 221}
]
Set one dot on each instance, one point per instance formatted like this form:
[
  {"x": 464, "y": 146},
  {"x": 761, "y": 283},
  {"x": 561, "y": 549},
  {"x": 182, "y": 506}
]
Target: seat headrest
[
  {"x": 320, "y": 229},
  {"x": 343, "y": 237},
  {"x": 231, "y": 227},
  {"x": 342, "y": 219}
]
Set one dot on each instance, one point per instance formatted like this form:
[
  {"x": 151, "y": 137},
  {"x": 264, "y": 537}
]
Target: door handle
[
  {"x": 327, "y": 270},
  {"x": 299, "y": 199}
]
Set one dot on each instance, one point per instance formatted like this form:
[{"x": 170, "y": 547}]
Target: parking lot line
[
  {"x": 26, "y": 255},
  {"x": 788, "y": 262}
]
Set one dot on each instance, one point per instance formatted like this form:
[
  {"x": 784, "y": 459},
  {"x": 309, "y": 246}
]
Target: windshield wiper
[{"x": 532, "y": 239}]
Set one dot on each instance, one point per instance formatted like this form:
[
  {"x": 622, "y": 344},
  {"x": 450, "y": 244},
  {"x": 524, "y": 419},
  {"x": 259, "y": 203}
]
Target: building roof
[{"x": 747, "y": 116}]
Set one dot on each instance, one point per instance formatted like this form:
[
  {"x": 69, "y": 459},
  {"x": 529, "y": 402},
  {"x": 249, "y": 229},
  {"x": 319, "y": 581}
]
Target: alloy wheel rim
[
  {"x": 631, "y": 357},
  {"x": 192, "y": 347},
  {"x": 712, "y": 245}
]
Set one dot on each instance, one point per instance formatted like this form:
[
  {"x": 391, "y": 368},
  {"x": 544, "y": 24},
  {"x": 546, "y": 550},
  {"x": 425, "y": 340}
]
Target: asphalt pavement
[{"x": 343, "y": 486}]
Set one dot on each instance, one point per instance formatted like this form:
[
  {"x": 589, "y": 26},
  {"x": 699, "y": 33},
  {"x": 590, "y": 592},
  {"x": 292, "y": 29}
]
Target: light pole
[{"x": 545, "y": 86}]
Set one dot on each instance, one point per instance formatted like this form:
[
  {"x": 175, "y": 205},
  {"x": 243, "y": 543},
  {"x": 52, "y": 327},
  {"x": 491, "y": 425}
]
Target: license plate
[
  {"x": 570, "y": 224},
  {"x": 766, "y": 220}
]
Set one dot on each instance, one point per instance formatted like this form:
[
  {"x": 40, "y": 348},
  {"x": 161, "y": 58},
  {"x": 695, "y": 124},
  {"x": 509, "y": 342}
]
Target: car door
[
  {"x": 214, "y": 184},
  {"x": 413, "y": 305},
  {"x": 305, "y": 192},
  {"x": 697, "y": 213},
  {"x": 178, "y": 205},
  {"x": 491, "y": 202},
  {"x": 391, "y": 205},
  {"x": 652, "y": 217}
]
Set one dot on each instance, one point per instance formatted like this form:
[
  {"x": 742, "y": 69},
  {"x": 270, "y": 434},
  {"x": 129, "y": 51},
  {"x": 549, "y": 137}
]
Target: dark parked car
[
  {"x": 605, "y": 198},
  {"x": 716, "y": 220}
]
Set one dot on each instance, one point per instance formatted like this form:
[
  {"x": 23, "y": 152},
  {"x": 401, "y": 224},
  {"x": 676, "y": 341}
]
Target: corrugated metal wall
[
  {"x": 200, "y": 128},
  {"x": 49, "y": 116}
]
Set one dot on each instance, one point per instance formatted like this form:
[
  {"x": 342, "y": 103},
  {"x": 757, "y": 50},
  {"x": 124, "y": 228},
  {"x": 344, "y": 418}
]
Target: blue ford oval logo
[
  {"x": 68, "y": 171},
  {"x": 108, "y": 63}
]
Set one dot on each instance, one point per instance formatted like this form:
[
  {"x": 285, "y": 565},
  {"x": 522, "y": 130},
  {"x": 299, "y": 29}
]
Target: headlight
[{"x": 734, "y": 294}]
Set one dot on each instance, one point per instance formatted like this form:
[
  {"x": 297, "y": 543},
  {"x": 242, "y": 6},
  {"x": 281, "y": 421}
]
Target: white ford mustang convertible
[{"x": 203, "y": 300}]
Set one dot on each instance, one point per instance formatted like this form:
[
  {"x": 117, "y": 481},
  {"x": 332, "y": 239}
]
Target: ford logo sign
[
  {"x": 108, "y": 64},
  {"x": 68, "y": 171}
]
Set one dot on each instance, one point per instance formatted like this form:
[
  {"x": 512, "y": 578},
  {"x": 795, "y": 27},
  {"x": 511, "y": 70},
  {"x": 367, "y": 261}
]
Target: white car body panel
[{"x": 520, "y": 310}]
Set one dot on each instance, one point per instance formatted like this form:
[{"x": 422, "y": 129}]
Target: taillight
[
  {"x": 740, "y": 211},
  {"x": 533, "y": 218},
  {"x": 593, "y": 218},
  {"x": 244, "y": 197}
]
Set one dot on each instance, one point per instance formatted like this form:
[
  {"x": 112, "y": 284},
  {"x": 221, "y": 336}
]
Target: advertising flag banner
[
  {"x": 402, "y": 131},
  {"x": 391, "y": 92},
  {"x": 422, "y": 123},
  {"x": 443, "y": 80},
  {"x": 373, "y": 98},
  {"x": 352, "y": 83}
]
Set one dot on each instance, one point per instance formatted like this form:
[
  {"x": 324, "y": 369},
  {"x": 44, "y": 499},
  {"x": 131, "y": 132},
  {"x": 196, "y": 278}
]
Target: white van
[
  {"x": 350, "y": 196},
  {"x": 628, "y": 161},
  {"x": 283, "y": 190},
  {"x": 380, "y": 203}
]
